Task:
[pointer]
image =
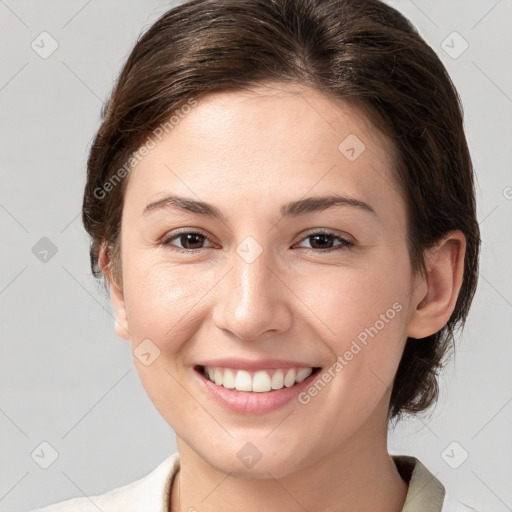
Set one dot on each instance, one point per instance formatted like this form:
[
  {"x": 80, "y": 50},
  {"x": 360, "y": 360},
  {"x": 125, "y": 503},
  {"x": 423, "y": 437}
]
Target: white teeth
[
  {"x": 218, "y": 376},
  {"x": 243, "y": 381},
  {"x": 289, "y": 380},
  {"x": 277, "y": 380},
  {"x": 229, "y": 379},
  {"x": 261, "y": 381},
  {"x": 303, "y": 374}
]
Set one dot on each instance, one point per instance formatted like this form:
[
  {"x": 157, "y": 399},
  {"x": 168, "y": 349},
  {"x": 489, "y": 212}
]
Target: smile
[
  {"x": 261, "y": 381},
  {"x": 253, "y": 387}
]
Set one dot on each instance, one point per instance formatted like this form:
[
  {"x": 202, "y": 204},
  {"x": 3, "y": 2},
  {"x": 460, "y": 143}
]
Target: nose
[{"x": 252, "y": 299}]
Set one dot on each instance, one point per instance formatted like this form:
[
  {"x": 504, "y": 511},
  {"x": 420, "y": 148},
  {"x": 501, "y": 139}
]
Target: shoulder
[
  {"x": 149, "y": 493},
  {"x": 425, "y": 491},
  {"x": 450, "y": 504}
]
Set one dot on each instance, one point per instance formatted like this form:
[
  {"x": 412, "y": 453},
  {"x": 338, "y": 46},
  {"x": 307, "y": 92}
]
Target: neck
[{"x": 358, "y": 475}]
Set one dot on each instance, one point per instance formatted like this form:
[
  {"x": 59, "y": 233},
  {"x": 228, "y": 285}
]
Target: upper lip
[{"x": 254, "y": 365}]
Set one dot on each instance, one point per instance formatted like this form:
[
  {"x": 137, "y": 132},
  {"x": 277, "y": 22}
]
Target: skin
[{"x": 248, "y": 153}]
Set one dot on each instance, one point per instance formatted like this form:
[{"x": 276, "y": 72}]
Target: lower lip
[{"x": 250, "y": 402}]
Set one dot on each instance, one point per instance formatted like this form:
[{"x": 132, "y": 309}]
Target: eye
[
  {"x": 324, "y": 240},
  {"x": 189, "y": 239}
]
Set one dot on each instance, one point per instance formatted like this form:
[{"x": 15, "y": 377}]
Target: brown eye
[
  {"x": 322, "y": 241},
  {"x": 189, "y": 240}
]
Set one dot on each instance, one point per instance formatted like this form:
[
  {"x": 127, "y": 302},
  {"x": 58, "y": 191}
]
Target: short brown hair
[{"x": 360, "y": 51}]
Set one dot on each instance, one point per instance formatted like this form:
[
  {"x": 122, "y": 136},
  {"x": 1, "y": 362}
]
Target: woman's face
[{"x": 259, "y": 281}]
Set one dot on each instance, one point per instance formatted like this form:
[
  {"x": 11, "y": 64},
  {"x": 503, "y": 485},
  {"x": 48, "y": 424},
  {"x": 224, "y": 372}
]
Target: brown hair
[{"x": 360, "y": 51}]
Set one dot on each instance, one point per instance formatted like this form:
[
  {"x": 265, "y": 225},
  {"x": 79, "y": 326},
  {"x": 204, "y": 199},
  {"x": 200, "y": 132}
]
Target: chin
[{"x": 249, "y": 462}]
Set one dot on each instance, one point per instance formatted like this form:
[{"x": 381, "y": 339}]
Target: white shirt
[{"x": 152, "y": 492}]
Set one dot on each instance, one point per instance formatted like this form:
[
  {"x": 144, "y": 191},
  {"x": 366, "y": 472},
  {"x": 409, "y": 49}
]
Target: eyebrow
[{"x": 292, "y": 209}]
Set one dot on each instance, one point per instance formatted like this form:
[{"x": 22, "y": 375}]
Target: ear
[
  {"x": 435, "y": 295},
  {"x": 116, "y": 295}
]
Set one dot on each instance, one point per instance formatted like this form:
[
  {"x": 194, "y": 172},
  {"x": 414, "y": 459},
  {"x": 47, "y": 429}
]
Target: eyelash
[{"x": 345, "y": 244}]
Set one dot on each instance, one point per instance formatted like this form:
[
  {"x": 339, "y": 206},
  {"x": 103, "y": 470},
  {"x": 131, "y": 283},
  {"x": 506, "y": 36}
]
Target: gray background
[{"x": 67, "y": 380}]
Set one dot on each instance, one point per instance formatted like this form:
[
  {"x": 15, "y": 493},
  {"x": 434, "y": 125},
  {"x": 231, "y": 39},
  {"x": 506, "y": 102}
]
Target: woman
[{"x": 280, "y": 199}]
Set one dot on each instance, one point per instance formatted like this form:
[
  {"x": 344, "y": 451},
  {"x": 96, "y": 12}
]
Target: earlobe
[
  {"x": 116, "y": 295},
  {"x": 435, "y": 296},
  {"x": 121, "y": 330}
]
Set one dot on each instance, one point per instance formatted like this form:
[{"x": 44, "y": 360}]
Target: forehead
[{"x": 274, "y": 142}]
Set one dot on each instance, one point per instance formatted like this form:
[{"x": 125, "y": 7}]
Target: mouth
[{"x": 262, "y": 381}]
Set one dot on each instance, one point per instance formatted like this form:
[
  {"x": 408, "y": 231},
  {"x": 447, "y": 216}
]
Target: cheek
[
  {"x": 363, "y": 313},
  {"x": 163, "y": 301},
  {"x": 348, "y": 300}
]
